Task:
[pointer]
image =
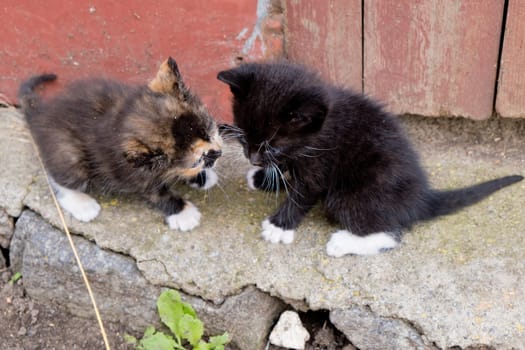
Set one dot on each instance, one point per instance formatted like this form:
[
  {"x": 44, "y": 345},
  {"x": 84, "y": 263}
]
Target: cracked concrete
[
  {"x": 43, "y": 255},
  {"x": 460, "y": 279},
  {"x": 17, "y": 162}
]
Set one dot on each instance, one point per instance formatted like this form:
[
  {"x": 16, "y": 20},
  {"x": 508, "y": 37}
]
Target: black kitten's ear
[
  {"x": 238, "y": 81},
  {"x": 168, "y": 79}
]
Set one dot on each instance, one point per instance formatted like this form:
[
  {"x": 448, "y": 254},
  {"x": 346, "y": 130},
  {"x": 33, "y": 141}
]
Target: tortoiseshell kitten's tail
[
  {"x": 105, "y": 135},
  {"x": 29, "y": 99}
]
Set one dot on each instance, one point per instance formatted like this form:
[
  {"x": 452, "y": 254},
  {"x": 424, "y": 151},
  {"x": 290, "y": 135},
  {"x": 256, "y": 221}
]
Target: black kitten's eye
[
  {"x": 273, "y": 151},
  {"x": 294, "y": 117}
]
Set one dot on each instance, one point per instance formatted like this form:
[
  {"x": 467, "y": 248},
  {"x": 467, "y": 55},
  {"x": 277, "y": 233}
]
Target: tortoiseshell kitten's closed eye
[
  {"x": 114, "y": 137},
  {"x": 339, "y": 148}
]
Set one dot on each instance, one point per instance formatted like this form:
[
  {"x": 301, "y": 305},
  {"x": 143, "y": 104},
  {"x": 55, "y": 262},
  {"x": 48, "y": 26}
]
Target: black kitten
[
  {"x": 339, "y": 148},
  {"x": 121, "y": 138}
]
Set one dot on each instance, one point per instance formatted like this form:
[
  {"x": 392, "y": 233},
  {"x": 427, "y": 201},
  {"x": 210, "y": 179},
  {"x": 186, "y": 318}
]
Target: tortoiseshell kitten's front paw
[
  {"x": 185, "y": 220},
  {"x": 205, "y": 180}
]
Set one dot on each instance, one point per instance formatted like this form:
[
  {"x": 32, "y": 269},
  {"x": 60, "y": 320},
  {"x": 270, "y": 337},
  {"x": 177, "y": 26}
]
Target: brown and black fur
[{"x": 115, "y": 137}]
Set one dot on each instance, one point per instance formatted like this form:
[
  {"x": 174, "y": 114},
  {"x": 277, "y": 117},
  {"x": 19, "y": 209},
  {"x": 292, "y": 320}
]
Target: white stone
[{"x": 289, "y": 332}]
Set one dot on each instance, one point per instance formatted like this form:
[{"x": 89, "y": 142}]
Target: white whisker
[{"x": 320, "y": 149}]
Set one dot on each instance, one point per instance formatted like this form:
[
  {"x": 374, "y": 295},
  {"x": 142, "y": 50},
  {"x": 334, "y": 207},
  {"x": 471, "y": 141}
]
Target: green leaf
[
  {"x": 191, "y": 329},
  {"x": 15, "y": 278},
  {"x": 150, "y": 330},
  {"x": 188, "y": 309},
  {"x": 170, "y": 310},
  {"x": 129, "y": 339},
  {"x": 157, "y": 341},
  {"x": 217, "y": 342},
  {"x": 202, "y": 346}
]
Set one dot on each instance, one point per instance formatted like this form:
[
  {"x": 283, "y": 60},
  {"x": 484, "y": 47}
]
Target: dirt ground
[
  {"x": 29, "y": 325},
  {"x": 25, "y": 324}
]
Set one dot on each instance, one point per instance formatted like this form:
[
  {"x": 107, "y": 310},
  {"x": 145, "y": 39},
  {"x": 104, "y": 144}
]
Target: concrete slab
[
  {"x": 18, "y": 164},
  {"x": 457, "y": 281}
]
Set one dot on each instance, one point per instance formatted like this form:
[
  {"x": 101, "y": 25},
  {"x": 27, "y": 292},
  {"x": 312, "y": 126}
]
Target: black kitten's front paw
[
  {"x": 255, "y": 178},
  {"x": 260, "y": 179},
  {"x": 275, "y": 234},
  {"x": 205, "y": 180}
]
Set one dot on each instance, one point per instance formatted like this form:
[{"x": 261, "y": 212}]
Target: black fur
[{"x": 339, "y": 148}]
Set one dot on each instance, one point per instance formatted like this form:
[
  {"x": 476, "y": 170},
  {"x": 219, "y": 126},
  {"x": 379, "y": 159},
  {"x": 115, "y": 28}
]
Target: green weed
[
  {"x": 15, "y": 278},
  {"x": 186, "y": 328}
]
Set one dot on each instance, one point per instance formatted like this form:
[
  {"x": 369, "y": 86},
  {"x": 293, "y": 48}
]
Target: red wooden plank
[
  {"x": 433, "y": 57},
  {"x": 510, "y": 101},
  {"x": 127, "y": 40},
  {"x": 326, "y": 35}
]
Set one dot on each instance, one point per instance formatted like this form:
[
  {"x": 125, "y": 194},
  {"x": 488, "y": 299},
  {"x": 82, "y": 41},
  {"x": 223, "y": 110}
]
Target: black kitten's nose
[
  {"x": 256, "y": 159},
  {"x": 211, "y": 157}
]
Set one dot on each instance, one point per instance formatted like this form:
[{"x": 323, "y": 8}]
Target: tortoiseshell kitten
[
  {"x": 338, "y": 148},
  {"x": 114, "y": 137}
]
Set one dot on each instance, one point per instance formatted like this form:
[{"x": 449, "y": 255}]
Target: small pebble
[
  {"x": 289, "y": 332},
  {"x": 22, "y": 331}
]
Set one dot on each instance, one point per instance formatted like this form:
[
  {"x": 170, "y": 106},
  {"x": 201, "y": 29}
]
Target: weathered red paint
[
  {"x": 433, "y": 57},
  {"x": 326, "y": 35},
  {"x": 510, "y": 101},
  {"x": 126, "y": 40}
]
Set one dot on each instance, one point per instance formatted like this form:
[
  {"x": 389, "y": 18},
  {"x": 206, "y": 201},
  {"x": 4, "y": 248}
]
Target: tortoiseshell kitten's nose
[{"x": 211, "y": 157}]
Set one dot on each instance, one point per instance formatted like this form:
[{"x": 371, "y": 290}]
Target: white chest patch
[
  {"x": 187, "y": 219},
  {"x": 276, "y": 234},
  {"x": 344, "y": 242}
]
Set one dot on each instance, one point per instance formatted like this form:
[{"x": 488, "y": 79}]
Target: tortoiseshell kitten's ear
[{"x": 169, "y": 80}]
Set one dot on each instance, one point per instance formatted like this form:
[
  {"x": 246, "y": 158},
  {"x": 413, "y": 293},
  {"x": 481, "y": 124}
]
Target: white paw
[
  {"x": 187, "y": 219},
  {"x": 249, "y": 177},
  {"x": 276, "y": 234},
  {"x": 344, "y": 242},
  {"x": 80, "y": 205},
  {"x": 211, "y": 180}
]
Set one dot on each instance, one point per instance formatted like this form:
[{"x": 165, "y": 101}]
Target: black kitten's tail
[
  {"x": 29, "y": 99},
  {"x": 448, "y": 202}
]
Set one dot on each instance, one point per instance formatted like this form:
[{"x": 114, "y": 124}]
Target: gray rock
[
  {"x": 2, "y": 261},
  {"x": 247, "y": 316},
  {"x": 368, "y": 331},
  {"x": 44, "y": 256},
  {"x": 18, "y": 161},
  {"x": 6, "y": 229},
  {"x": 50, "y": 272}
]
